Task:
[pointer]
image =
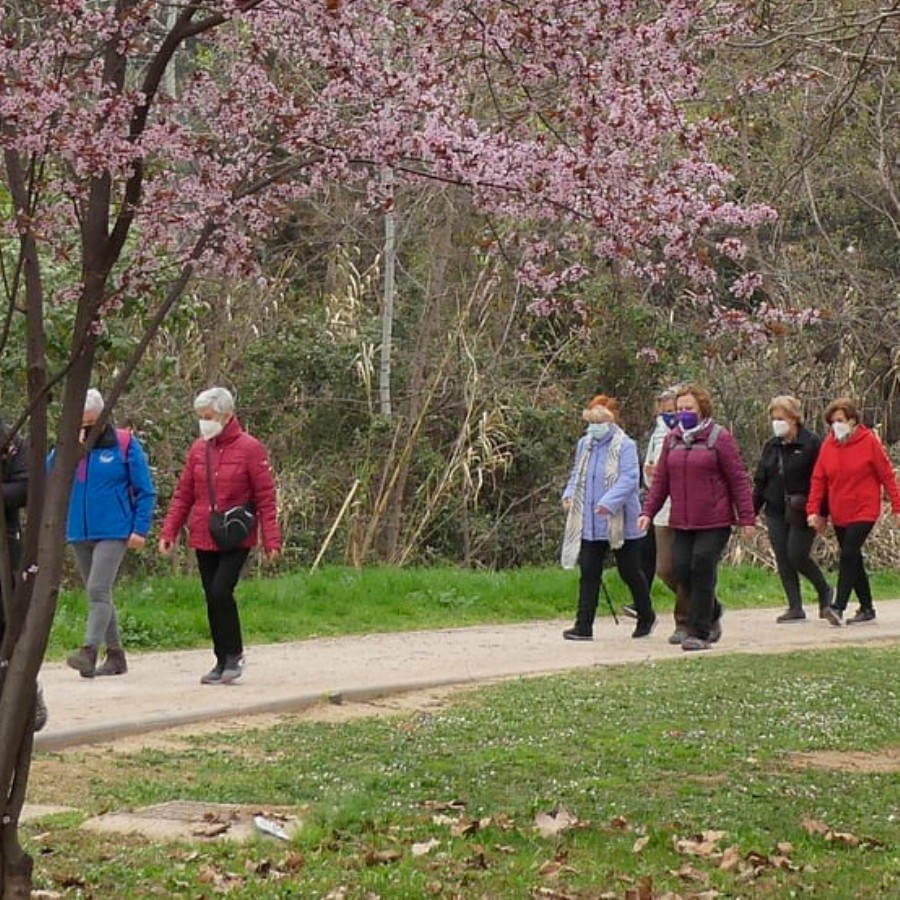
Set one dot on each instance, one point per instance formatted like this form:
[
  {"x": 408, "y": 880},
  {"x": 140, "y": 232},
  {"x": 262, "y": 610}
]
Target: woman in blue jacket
[
  {"x": 602, "y": 506},
  {"x": 110, "y": 511}
]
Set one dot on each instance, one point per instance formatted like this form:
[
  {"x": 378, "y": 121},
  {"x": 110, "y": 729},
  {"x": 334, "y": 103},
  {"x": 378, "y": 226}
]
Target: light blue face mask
[{"x": 598, "y": 431}]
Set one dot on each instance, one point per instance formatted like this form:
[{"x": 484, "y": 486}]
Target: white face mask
[
  {"x": 780, "y": 427},
  {"x": 209, "y": 428},
  {"x": 841, "y": 430},
  {"x": 598, "y": 431}
]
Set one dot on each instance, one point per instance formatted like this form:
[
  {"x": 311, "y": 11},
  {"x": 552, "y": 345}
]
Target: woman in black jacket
[{"x": 781, "y": 485}]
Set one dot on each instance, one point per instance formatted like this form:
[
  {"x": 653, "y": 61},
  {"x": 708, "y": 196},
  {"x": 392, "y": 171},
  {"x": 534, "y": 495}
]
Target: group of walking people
[
  {"x": 698, "y": 490},
  {"x": 111, "y": 509}
]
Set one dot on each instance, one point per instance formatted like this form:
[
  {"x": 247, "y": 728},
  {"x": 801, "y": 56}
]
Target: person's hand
[
  {"x": 602, "y": 511},
  {"x": 749, "y": 530},
  {"x": 895, "y": 517},
  {"x": 165, "y": 547},
  {"x": 643, "y": 522},
  {"x": 135, "y": 541},
  {"x": 649, "y": 469},
  {"x": 566, "y": 504},
  {"x": 816, "y": 522},
  {"x": 273, "y": 554}
]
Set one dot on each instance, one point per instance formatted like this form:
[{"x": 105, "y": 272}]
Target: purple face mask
[{"x": 688, "y": 419}]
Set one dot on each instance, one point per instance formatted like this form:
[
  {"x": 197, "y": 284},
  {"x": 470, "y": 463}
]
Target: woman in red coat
[
  {"x": 850, "y": 473},
  {"x": 236, "y": 467}
]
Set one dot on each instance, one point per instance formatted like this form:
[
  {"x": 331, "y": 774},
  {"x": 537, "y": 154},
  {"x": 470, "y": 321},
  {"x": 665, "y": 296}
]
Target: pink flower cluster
[{"x": 578, "y": 120}]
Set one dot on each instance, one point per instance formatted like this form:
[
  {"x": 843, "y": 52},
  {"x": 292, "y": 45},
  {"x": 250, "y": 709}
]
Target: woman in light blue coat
[{"x": 602, "y": 505}]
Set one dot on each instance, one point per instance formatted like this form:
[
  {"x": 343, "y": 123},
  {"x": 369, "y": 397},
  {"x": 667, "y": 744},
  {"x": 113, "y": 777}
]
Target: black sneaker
[
  {"x": 715, "y": 631},
  {"x": 214, "y": 675},
  {"x": 834, "y": 615},
  {"x": 233, "y": 669},
  {"x": 644, "y": 628},
  {"x": 630, "y": 610},
  {"x": 792, "y": 615},
  {"x": 863, "y": 614},
  {"x": 692, "y": 644},
  {"x": 573, "y": 634}
]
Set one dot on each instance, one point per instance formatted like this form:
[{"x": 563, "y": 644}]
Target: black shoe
[
  {"x": 863, "y": 614},
  {"x": 825, "y": 602},
  {"x": 792, "y": 615},
  {"x": 834, "y": 615},
  {"x": 715, "y": 631},
  {"x": 573, "y": 634},
  {"x": 644, "y": 628},
  {"x": 630, "y": 610}
]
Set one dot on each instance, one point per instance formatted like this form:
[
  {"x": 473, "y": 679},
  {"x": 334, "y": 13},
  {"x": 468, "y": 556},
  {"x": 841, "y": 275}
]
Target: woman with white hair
[
  {"x": 226, "y": 477},
  {"x": 110, "y": 511}
]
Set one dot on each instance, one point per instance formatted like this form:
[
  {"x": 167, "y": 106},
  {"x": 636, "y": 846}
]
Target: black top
[
  {"x": 797, "y": 460},
  {"x": 14, "y": 471}
]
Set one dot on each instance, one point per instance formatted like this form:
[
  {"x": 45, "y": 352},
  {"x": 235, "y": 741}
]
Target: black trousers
[
  {"x": 14, "y": 544},
  {"x": 628, "y": 562},
  {"x": 219, "y": 574},
  {"x": 793, "y": 548},
  {"x": 648, "y": 556},
  {"x": 695, "y": 558},
  {"x": 852, "y": 575}
]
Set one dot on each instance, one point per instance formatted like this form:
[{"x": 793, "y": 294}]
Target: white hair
[
  {"x": 93, "y": 401},
  {"x": 218, "y": 399}
]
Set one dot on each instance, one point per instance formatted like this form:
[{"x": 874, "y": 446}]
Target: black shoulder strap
[{"x": 210, "y": 487}]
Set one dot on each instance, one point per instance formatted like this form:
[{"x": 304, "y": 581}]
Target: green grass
[
  {"x": 169, "y": 613},
  {"x": 661, "y": 752}
]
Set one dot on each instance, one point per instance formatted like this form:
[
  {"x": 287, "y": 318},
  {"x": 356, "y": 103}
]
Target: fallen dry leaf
[
  {"x": 381, "y": 857},
  {"x": 643, "y": 890},
  {"x": 463, "y": 826},
  {"x": 731, "y": 859},
  {"x": 703, "y": 844},
  {"x": 785, "y": 848},
  {"x": 425, "y": 847},
  {"x": 814, "y": 826},
  {"x": 639, "y": 844},
  {"x": 619, "y": 823},
  {"x": 554, "y": 823},
  {"x": 687, "y": 872},
  {"x": 843, "y": 837}
]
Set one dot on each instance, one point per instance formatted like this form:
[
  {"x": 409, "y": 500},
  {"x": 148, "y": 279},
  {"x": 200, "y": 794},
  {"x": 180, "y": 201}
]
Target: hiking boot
[
  {"x": 792, "y": 615},
  {"x": 573, "y": 634},
  {"x": 40, "y": 710},
  {"x": 691, "y": 643},
  {"x": 233, "y": 669},
  {"x": 678, "y": 635},
  {"x": 214, "y": 675},
  {"x": 114, "y": 664},
  {"x": 84, "y": 661},
  {"x": 863, "y": 614},
  {"x": 644, "y": 628},
  {"x": 715, "y": 631},
  {"x": 833, "y": 614},
  {"x": 630, "y": 610}
]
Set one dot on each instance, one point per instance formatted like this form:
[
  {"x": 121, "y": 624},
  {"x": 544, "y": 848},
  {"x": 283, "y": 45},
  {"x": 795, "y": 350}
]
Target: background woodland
[{"x": 456, "y": 445}]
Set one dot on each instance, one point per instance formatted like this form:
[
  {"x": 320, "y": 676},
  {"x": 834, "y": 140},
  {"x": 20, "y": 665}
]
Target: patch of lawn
[
  {"x": 641, "y": 756},
  {"x": 169, "y": 613}
]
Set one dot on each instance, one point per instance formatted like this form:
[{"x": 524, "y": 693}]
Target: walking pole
[{"x": 609, "y": 602}]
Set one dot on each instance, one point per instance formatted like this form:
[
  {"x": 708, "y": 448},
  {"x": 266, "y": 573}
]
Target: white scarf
[{"x": 615, "y": 522}]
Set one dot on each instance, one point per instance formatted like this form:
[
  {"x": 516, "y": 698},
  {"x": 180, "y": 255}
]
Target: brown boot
[
  {"x": 114, "y": 664},
  {"x": 84, "y": 661}
]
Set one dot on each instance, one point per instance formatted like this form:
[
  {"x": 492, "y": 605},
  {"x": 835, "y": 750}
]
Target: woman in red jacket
[
  {"x": 850, "y": 473},
  {"x": 232, "y": 466}
]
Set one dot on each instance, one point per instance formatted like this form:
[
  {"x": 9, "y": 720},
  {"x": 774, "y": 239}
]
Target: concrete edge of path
[{"x": 98, "y": 734}]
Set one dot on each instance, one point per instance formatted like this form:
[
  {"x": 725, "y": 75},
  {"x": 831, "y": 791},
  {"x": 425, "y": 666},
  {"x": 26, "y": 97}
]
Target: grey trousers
[{"x": 98, "y": 562}]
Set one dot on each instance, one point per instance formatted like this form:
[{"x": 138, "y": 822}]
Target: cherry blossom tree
[{"x": 146, "y": 143}]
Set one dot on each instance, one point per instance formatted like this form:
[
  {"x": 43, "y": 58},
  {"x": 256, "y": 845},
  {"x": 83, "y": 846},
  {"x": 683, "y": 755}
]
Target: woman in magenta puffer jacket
[
  {"x": 236, "y": 466},
  {"x": 700, "y": 468}
]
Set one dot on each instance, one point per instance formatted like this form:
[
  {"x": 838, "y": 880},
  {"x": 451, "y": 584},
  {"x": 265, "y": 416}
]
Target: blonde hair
[{"x": 788, "y": 404}]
